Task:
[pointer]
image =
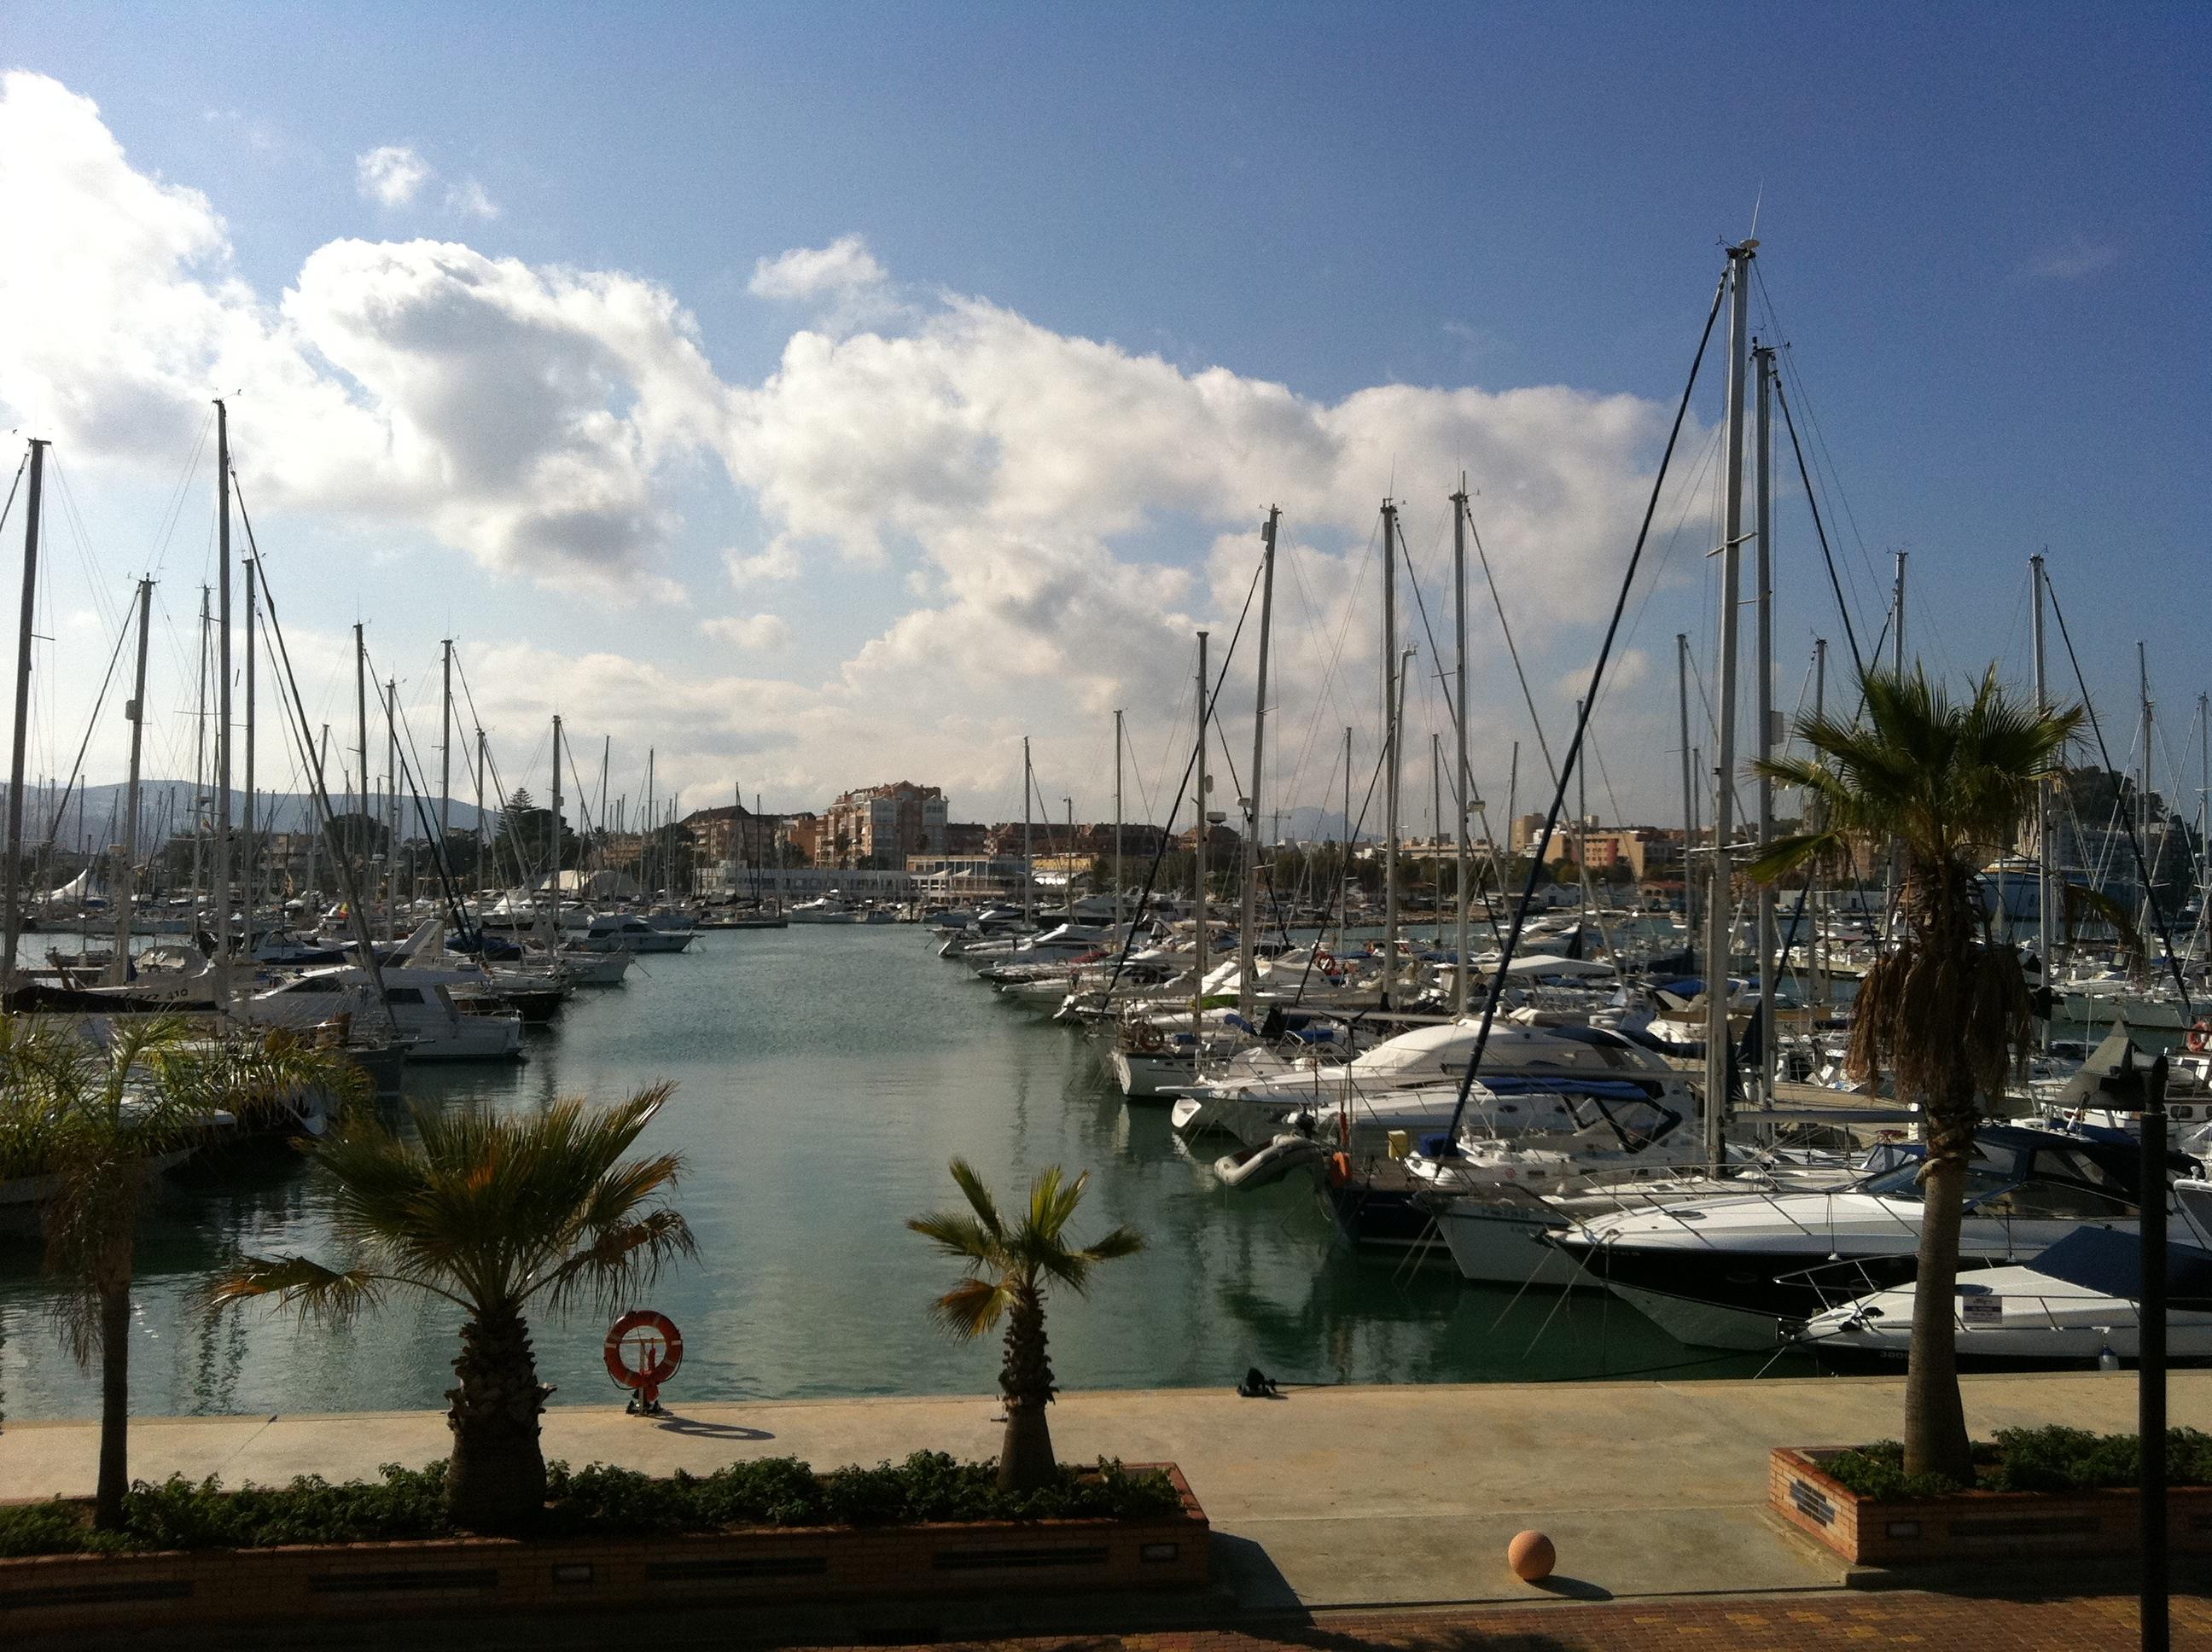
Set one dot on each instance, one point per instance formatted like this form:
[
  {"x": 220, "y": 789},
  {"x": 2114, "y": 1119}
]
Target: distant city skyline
[{"x": 781, "y": 388}]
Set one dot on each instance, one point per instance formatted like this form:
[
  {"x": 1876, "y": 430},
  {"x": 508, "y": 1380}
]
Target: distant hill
[{"x": 93, "y": 814}]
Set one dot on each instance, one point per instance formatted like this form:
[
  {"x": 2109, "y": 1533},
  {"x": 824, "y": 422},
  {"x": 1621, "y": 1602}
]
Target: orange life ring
[
  {"x": 1324, "y": 960},
  {"x": 1339, "y": 1169},
  {"x": 654, "y": 1338},
  {"x": 2199, "y": 1039}
]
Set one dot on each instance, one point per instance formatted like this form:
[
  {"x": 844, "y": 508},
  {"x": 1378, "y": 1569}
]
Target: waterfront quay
[{"x": 1326, "y": 1501}]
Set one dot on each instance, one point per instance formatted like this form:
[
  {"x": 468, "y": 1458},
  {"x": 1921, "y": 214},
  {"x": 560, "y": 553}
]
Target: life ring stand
[
  {"x": 654, "y": 1337},
  {"x": 2200, "y": 1037}
]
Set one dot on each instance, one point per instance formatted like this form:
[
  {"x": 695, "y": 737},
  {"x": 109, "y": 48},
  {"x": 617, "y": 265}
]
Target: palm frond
[
  {"x": 971, "y": 1308},
  {"x": 623, "y": 1260},
  {"x": 979, "y": 1198},
  {"x": 329, "y": 1296},
  {"x": 959, "y": 1235}
]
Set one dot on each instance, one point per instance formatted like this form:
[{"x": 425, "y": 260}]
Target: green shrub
[
  {"x": 2050, "y": 1459},
  {"x": 598, "y": 1500}
]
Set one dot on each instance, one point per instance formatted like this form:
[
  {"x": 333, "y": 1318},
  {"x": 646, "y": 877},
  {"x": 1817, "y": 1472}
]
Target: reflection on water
[{"x": 825, "y": 1076}]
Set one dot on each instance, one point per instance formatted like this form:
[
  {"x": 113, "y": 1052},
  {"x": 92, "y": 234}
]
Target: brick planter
[
  {"x": 80, "y": 1592},
  {"x": 1972, "y": 1525}
]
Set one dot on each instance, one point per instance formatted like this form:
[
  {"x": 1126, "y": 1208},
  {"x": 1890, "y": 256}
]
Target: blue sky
[{"x": 1984, "y": 237}]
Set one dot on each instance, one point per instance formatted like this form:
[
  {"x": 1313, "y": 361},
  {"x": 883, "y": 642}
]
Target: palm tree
[
  {"x": 495, "y": 1215},
  {"x": 1008, "y": 1266},
  {"x": 1946, "y": 1011},
  {"x": 105, "y": 1123}
]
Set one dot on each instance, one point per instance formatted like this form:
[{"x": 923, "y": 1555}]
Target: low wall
[
  {"x": 1974, "y": 1525},
  {"x": 78, "y": 1593}
]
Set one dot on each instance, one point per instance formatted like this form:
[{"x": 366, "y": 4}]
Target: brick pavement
[{"x": 1797, "y": 1623}]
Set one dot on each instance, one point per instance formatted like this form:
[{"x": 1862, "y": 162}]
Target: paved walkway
[{"x": 1327, "y": 1498}]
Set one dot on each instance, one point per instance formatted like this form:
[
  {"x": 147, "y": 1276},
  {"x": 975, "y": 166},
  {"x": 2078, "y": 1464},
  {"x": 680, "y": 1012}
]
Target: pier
[{"x": 1326, "y": 1500}]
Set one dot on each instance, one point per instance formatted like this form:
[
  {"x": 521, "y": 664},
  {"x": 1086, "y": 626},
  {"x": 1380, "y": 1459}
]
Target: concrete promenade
[{"x": 1328, "y": 1499}]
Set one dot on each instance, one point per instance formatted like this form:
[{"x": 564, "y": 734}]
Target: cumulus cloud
[
  {"x": 392, "y": 175},
  {"x": 762, "y": 633},
  {"x": 805, "y": 272},
  {"x": 522, "y": 415},
  {"x": 1050, "y": 515}
]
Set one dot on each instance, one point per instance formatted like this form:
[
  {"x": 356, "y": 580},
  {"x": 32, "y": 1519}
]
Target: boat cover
[{"x": 2108, "y": 1261}]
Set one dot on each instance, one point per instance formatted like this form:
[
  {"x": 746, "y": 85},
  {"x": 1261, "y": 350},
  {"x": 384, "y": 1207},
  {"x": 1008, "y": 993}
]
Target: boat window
[
  {"x": 2070, "y": 1164},
  {"x": 2055, "y": 1201},
  {"x": 1983, "y": 1180},
  {"x": 403, "y": 995},
  {"x": 314, "y": 984}
]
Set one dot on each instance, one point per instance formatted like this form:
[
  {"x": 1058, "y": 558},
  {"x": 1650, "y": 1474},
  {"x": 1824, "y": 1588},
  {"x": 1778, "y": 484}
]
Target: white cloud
[
  {"x": 522, "y": 415},
  {"x": 777, "y": 560},
  {"x": 2074, "y": 259},
  {"x": 1051, "y": 515},
  {"x": 471, "y": 200},
  {"x": 391, "y": 175},
  {"x": 808, "y": 272},
  {"x": 762, "y": 633}
]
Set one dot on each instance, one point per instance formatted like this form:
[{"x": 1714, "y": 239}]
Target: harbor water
[{"x": 824, "y": 1076}]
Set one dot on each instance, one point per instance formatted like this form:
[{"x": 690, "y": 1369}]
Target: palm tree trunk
[
  {"x": 1025, "y": 1458},
  {"x": 1935, "y": 1439},
  {"x": 114, "y": 1408},
  {"x": 496, "y": 1481}
]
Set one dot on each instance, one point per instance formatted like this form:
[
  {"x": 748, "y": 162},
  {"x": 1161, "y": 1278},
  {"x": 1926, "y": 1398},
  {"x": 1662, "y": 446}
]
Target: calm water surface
[{"x": 823, "y": 1078}]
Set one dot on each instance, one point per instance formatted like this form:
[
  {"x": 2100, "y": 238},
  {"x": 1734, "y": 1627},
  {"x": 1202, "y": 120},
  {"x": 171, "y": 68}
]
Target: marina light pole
[{"x": 1720, "y": 917}]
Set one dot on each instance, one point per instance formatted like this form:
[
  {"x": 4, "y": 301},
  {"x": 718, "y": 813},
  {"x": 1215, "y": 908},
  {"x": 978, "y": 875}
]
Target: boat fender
[{"x": 1339, "y": 1169}]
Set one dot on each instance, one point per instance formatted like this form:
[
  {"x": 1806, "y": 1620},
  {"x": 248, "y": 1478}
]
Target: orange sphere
[{"x": 1531, "y": 1557}]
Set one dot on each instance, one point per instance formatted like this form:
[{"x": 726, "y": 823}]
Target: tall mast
[
  {"x": 2142, "y": 790},
  {"x": 1822, "y": 985},
  {"x": 252, "y": 854},
  {"x": 1389, "y": 749},
  {"x": 13, "y": 922},
  {"x": 1117, "y": 820},
  {"x": 1248, "y": 923},
  {"x": 1199, "y": 846},
  {"x": 392, "y": 809},
  {"x": 446, "y": 748},
  {"x": 1462, "y": 793},
  {"x": 1028, "y": 863},
  {"x": 2042, "y": 796},
  {"x": 118, "y": 969},
  {"x": 1719, "y": 920},
  {"x": 200, "y": 756},
  {"x": 1689, "y": 791},
  {"x": 1897, "y": 665},
  {"x": 222, "y": 709},
  {"x": 1763, "y": 577},
  {"x": 1344, "y": 868},
  {"x": 361, "y": 717},
  {"x": 649, "y": 826},
  {"x": 480, "y": 805},
  {"x": 1436, "y": 827},
  {"x": 556, "y": 825},
  {"x": 315, "y": 835}
]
